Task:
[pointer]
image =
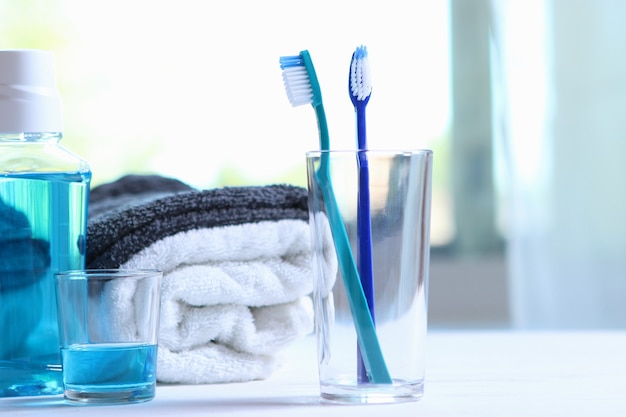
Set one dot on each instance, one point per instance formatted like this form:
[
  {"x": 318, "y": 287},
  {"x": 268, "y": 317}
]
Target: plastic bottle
[{"x": 44, "y": 191}]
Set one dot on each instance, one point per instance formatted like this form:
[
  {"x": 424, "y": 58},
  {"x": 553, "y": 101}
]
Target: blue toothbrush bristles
[
  {"x": 360, "y": 79},
  {"x": 296, "y": 80}
]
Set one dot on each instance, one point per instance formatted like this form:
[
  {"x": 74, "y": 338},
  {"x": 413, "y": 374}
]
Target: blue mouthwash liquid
[
  {"x": 117, "y": 369},
  {"x": 42, "y": 231}
]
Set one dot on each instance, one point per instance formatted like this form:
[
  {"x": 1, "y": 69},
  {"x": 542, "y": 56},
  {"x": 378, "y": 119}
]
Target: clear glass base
[
  {"x": 110, "y": 397},
  {"x": 351, "y": 392}
]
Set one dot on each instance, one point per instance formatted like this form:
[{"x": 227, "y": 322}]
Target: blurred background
[{"x": 522, "y": 102}]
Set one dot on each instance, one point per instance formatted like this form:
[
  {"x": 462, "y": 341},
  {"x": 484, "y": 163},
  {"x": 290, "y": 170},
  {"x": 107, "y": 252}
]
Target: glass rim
[
  {"x": 109, "y": 273},
  {"x": 392, "y": 151}
]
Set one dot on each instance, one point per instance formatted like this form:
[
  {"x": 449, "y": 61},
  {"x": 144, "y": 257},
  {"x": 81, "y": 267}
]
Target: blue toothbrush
[
  {"x": 303, "y": 87},
  {"x": 360, "y": 89}
]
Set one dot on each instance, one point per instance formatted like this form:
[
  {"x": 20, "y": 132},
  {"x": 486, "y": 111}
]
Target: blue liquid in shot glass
[{"x": 109, "y": 372}]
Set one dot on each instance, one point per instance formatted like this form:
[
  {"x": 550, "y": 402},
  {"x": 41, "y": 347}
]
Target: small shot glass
[{"x": 108, "y": 322}]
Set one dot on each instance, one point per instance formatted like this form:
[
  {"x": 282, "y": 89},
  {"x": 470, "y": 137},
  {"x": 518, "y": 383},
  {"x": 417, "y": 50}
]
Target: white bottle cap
[{"x": 29, "y": 100}]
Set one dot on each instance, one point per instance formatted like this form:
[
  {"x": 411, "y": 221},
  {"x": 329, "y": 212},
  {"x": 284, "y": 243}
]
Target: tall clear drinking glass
[{"x": 399, "y": 189}]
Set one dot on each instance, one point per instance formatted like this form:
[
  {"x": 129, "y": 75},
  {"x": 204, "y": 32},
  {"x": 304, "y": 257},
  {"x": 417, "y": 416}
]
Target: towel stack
[{"x": 237, "y": 270}]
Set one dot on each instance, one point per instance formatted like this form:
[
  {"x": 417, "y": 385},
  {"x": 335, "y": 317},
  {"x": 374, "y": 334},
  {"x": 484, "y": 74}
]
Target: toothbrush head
[
  {"x": 300, "y": 80},
  {"x": 303, "y": 88},
  {"x": 360, "y": 82}
]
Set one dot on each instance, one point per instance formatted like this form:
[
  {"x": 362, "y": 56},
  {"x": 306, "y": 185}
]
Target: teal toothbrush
[
  {"x": 360, "y": 89},
  {"x": 303, "y": 87}
]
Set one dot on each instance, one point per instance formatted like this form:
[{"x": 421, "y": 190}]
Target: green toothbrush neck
[{"x": 322, "y": 125}]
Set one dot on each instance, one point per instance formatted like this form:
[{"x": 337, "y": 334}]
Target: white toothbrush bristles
[
  {"x": 298, "y": 85},
  {"x": 360, "y": 79}
]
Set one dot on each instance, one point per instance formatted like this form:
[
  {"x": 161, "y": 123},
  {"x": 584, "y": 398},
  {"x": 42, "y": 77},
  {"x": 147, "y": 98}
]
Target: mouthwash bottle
[{"x": 44, "y": 190}]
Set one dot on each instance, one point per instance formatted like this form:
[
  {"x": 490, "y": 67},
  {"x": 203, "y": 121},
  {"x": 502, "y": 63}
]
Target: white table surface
[{"x": 469, "y": 373}]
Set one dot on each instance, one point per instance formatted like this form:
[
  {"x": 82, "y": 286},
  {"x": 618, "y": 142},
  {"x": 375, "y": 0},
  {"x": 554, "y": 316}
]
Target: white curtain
[{"x": 560, "y": 120}]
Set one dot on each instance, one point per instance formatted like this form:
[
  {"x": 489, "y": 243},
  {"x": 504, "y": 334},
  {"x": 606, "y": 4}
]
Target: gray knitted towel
[{"x": 136, "y": 211}]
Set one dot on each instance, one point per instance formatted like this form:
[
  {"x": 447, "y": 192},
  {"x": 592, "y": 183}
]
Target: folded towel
[{"x": 237, "y": 270}]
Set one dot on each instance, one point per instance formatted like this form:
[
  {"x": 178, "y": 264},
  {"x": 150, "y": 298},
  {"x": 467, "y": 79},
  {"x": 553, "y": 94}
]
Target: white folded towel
[
  {"x": 250, "y": 351},
  {"x": 232, "y": 297}
]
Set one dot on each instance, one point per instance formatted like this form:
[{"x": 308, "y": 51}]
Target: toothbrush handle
[
  {"x": 364, "y": 249},
  {"x": 364, "y": 221},
  {"x": 361, "y": 132},
  {"x": 366, "y": 332},
  {"x": 365, "y": 234}
]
